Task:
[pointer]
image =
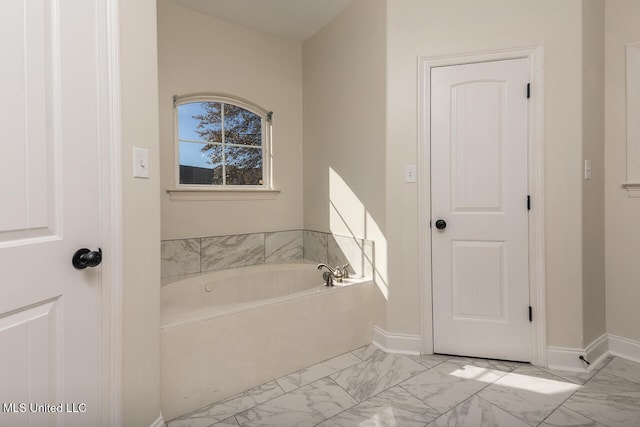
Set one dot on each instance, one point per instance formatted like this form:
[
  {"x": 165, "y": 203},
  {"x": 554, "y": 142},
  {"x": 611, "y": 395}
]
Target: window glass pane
[
  {"x": 200, "y": 121},
  {"x": 242, "y": 126},
  {"x": 244, "y": 165},
  {"x": 200, "y": 163}
]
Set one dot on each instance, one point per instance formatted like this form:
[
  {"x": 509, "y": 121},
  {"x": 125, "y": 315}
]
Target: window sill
[
  {"x": 633, "y": 189},
  {"x": 199, "y": 194}
]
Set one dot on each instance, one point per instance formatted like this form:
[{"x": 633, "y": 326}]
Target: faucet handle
[
  {"x": 345, "y": 270},
  {"x": 328, "y": 278}
]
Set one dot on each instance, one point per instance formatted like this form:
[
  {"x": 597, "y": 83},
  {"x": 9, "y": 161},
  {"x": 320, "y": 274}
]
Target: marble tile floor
[{"x": 368, "y": 387}]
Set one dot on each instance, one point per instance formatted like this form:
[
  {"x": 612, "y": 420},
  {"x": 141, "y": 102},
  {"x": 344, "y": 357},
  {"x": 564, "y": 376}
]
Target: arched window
[{"x": 221, "y": 142}]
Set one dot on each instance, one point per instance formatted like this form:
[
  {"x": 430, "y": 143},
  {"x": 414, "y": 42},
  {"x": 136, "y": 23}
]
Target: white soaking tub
[{"x": 225, "y": 331}]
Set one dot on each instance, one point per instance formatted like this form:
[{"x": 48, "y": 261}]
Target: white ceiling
[{"x": 294, "y": 19}]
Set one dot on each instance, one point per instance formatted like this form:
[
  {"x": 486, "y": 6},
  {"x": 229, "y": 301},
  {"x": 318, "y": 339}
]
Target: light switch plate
[
  {"x": 140, "y": 162},
  {"x": 587, "y": 169}
]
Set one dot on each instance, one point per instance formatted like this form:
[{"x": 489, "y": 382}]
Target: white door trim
[
  {"x": 535, "y": 182},
  {"x": 110, "y": 139}
]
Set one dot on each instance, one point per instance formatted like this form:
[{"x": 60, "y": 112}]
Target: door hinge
[
  {"x": 530, "y": 314},
  {"x": 528, "y": 202},
  {"x": 528, "y": 90}
]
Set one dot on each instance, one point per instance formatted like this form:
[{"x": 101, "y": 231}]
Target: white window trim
[
  {"x": 203, "y": 194},
  {"x": 226, "y": 192}
]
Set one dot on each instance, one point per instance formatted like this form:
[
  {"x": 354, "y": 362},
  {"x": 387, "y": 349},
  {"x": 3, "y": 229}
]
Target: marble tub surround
[
  {"x": 339, "y": 250},
  {"x": 283, "y": 246},
  {"x": 357, "y": 252},
  {"x": 240, "y": 250},
  {"x": 187, "y": 256},
  {"x": 180, "y": 257},
  {"x": 507, "y": 394},
  {"x": 316, "y": 246}
]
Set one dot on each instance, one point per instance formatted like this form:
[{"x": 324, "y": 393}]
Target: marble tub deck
[{"x": 368, "y": 387}]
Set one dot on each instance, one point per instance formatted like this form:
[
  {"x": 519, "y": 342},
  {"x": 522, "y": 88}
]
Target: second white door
[{"x": 479, "y": 116}]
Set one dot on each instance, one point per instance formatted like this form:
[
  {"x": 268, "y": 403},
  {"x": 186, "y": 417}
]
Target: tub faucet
[
  {"x": 329, "y": 275},
  {"x": 337, "y": 273}
]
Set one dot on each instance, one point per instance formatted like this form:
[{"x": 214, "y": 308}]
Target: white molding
[
  {"x": 199, "y": 194},
  {"x": 159, "y": 422},
  {"x": 110, "y": 137},
  {"x": 568, "y": 359},
  {"x": 633, "y": 189},
  {"x": 219, "y": 97},
  {"x": 424, "y": 205},
  {"x": 624, "y": 347},
  {"x": 565, "y": 359},
  {"x": 597, "y": 350},
  {"x": 536, "y": 188},
  {"x": 396, "y": 343},
  {"x": 633, "y": 112}
]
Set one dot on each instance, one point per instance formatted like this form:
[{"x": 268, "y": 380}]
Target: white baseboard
[
  {"x": 159, "y": 422},
  {"x": 624, "y": 347},
  {"x": 597, "y": 351},
  {"x": 396, "y": 343},
  {"x": 558, "y": 358},
  {"x": 567, "y": 359}
]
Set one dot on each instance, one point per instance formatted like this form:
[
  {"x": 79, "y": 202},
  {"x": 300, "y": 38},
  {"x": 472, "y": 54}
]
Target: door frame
[
  {"x": 535, "y": 187},
  {"x": 111, "y": 209}
]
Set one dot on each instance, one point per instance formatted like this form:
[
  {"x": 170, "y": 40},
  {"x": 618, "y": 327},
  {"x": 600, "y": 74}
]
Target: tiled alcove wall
[{"x": 186, "y": 256}]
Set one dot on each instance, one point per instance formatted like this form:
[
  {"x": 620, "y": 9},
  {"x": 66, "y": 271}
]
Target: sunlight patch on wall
[
  {"x": 348, "y": 216},
  {"x": 347, "y": 213}
]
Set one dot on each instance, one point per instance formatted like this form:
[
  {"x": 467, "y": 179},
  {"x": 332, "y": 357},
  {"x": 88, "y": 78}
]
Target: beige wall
[
  {"x": 341, "y": 74},
  {"x": 141, "y": 202},
  {"x": 198, "y": 53},
  {"x": 593, "y": 305},
  {"x": 431, "y": 28},
  {"x": 344, "y": 131},
  {"x": 621, "y": 212}
]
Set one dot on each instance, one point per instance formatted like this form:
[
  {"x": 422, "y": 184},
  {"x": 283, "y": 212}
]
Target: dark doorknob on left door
[
  {"x": 84, "y": 258},
  {"x": 441, "y": 224}
]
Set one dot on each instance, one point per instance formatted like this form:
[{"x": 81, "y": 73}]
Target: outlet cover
[{"x": 410, "y": 173}]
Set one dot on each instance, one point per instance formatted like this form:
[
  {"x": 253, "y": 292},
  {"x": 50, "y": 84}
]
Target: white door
[
  {"x": 479, "y": 189},
  {"x": 49, "y": 195}
]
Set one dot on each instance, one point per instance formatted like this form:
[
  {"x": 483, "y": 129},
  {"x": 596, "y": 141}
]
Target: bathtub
[{"x": 225, "y": 331}]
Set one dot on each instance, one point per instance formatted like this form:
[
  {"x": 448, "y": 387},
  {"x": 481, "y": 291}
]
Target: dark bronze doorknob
[
  {"x": 441, "y": 224},
  {"x": 84, "y": 258}
]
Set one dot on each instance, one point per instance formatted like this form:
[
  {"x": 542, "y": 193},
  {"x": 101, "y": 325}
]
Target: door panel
[
  {"x": 25, "y": 113},
  {"x": 479, "y": 187},
  {"x": 29, "y": 346},
  {"x": 476, "y": 140},
  {"x": 49, "y": 166},
  {"x": 477, "y": 281}
]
